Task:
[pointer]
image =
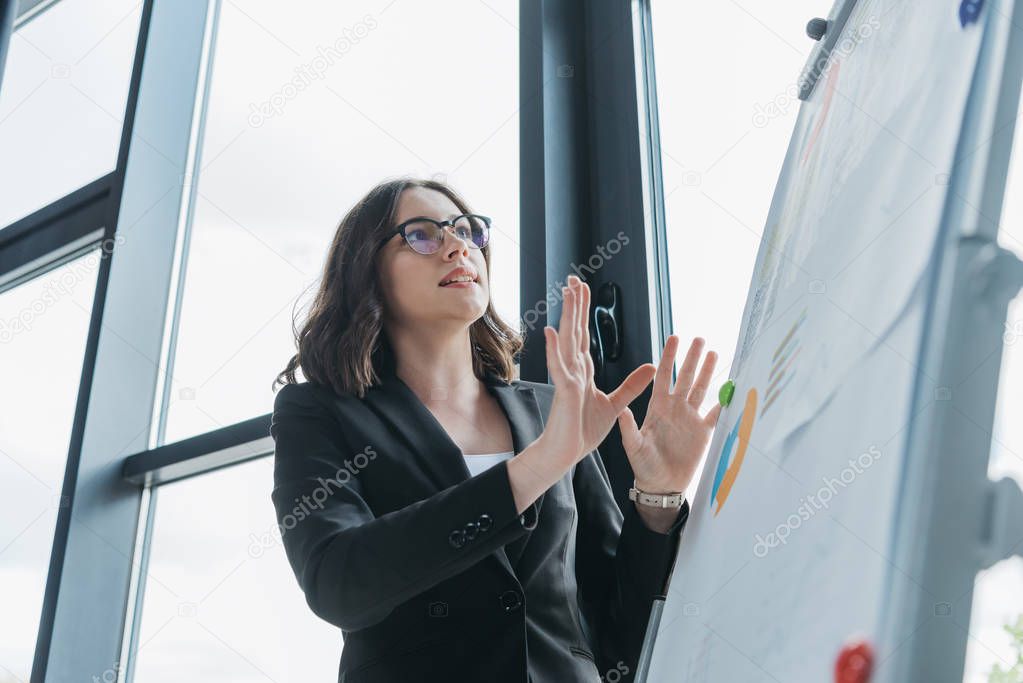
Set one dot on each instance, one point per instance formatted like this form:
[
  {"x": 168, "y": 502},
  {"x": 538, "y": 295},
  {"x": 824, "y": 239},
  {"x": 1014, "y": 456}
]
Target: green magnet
[{"x": 725, "y": 393}]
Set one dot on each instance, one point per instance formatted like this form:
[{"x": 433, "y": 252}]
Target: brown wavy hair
[{"x": 342, "y": 343}]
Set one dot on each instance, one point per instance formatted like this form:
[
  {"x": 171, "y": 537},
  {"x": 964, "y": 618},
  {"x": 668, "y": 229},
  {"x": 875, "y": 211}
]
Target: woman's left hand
[{"x": 666, "y": 452}]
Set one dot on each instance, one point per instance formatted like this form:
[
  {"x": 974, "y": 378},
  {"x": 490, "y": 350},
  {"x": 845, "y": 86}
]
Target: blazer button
[
  {"x": 510, "y": 600},
  {"x": 457, "y": 538},
  {"x": 471, "y": 529},
  {"x": 484, "y": 522}
]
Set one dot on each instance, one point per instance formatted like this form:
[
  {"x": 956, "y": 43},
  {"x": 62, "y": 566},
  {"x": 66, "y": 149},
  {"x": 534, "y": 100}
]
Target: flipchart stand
[{"x": 952, "y": 521}]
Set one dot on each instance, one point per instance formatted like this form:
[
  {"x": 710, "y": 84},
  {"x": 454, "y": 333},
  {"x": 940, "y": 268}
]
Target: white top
[{"x": 478, "y": 462}]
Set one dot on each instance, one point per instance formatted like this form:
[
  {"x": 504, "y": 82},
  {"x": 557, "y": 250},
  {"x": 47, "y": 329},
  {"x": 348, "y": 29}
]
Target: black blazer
[{"x": 432, "y": 575}]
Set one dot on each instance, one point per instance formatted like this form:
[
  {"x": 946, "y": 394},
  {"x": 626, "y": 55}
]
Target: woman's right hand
[{"x": 581, "y": 415}]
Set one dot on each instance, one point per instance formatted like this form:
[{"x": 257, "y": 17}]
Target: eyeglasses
[{"x": 426, "y": 235}]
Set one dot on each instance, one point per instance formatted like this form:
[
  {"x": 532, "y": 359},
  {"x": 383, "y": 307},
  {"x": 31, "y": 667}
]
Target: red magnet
[{"x": 854, "y": 662}]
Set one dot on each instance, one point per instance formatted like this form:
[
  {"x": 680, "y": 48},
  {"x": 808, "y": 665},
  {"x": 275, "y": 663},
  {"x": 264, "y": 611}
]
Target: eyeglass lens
[{"x": 427, "y": 237}]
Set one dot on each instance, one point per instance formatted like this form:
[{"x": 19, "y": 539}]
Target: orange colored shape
[{"x": 745, "y": 429}]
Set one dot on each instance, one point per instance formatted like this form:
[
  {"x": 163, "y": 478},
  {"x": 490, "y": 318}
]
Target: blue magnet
[{"x": 969, "y": 11}]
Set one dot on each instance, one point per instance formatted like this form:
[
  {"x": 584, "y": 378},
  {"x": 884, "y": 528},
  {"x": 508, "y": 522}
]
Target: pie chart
[{"x": 733, "y": 453}]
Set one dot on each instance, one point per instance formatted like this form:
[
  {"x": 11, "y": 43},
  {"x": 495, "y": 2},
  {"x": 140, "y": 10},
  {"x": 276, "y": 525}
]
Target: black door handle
[{"x": 606, "y": 329}]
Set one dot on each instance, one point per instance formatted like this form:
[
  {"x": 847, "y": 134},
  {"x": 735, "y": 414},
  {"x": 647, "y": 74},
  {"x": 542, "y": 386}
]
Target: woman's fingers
[
  {"x": 662, "y": 380},
  {"x": 584, "y": 322},
  {"x": 584, "y": 343},
  {"x": 576, "y": 333},
  {"x": 632, "y": 386},
  {"x": 548, "y": 342},
  {"x": 699, "y": 390},
  {"x": 684, "y": 381},
  {"x": 554, "y": 364},
  {"x": 572, "y": 331},
  {"x": 568, "y": 328},
  {"x": 563, "y": 327},
  {"x": 711, "y": 418}
]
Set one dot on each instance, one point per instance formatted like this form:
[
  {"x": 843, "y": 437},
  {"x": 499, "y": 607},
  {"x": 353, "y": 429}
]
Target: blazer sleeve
[
  {"x": 354, "y": 567},
  {"x": 621, "y": 565}
]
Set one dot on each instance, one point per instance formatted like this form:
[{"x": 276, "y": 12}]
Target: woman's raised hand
[
  {"x": 665, "y": 453},
  {"x": 581, "y": 415}
]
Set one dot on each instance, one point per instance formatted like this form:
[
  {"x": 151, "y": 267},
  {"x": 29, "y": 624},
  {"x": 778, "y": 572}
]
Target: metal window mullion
[{"x": 102, "y": 519}]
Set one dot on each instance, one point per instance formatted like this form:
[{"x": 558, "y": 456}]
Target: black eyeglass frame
[{"x": 400, "y": 229}]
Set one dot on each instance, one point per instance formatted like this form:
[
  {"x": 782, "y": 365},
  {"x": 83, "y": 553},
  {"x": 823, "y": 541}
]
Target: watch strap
[{"x": 657, "y": 500}]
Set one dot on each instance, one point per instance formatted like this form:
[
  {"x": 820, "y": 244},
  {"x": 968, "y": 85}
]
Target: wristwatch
[{"x": 657, "y": 500}]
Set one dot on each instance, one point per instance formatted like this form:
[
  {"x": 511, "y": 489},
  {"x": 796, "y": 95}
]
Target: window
[
  {"x": 725, "y": 123},
  {"x": 221, "y": 602},
  {"x": 43, "y": 327},
  {"x": 307, "y": 109},
  {"x": 63, "y": 100}
]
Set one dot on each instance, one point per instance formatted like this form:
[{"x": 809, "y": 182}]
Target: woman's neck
[{"x": 436, "y": 368}]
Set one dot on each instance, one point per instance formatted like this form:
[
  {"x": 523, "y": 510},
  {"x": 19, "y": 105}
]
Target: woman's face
[{"x": 411, "y": 281}]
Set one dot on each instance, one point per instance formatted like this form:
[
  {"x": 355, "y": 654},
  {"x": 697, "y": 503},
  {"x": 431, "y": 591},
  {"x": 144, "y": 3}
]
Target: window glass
[
  {"x": 63, "y": 99},
  {"x": 725, "y": 123},
  {"x": 44, "y": 324},
  {"x": 221, "y": 602},
  {"x": 309, "y": 106}
]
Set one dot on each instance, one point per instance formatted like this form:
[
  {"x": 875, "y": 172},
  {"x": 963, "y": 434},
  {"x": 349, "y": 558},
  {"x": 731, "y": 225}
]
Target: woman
[{"x": 455, "y": 523}]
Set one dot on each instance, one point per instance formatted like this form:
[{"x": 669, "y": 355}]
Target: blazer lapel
[
  {"x": 523, "y": 412},
  {"x": 433, "y": 449},
  {"x": 519, "y": 404}
]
